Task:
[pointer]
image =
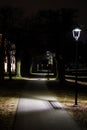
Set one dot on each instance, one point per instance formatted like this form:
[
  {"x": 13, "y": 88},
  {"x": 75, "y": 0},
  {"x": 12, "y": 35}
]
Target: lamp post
[
  {"x": 76, "y": 34},
  {"x": 48, "y": 56}
]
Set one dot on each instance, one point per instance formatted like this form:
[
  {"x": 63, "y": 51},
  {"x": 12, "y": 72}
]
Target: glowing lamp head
[{"x": 76, "y": 33}]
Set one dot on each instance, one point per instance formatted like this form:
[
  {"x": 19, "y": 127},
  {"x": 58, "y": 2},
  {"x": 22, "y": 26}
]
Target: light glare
[{"x": 76, "y": 33}]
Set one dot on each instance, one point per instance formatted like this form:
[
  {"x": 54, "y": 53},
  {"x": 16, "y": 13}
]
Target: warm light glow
[
  {"x": 13, "y": 64},
  {"x": 73, "y": 81},
  {"x": 5, "y": 64}
]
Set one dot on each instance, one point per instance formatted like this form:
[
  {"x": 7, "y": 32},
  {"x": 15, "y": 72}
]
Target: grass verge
[
  {"x": 65, "y": 93},
  {"x": 8, "y": 106}
]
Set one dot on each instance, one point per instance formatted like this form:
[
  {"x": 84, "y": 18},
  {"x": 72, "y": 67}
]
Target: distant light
[
  {"x": 41, "y": 79},
  {"x": 76, "y": 33},
  {"x": 47, "y": 53}
]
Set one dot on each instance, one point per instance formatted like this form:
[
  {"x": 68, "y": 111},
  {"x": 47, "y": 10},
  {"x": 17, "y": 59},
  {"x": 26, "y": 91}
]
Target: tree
[
  {"x": 10, "y": 22},
  {"x": 50, "y": 29}
]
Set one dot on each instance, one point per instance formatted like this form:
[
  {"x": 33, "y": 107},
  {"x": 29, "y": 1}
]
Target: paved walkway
[{"x": 38, "y": 109}]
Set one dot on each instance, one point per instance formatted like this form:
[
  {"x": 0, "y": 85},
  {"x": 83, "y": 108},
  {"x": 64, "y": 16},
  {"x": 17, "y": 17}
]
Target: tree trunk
[
  {"x": 18, "y": 68},
  {"x": 2, "y": 55},
  {"x": 61, "y": 69},
  {"x": 9, "y": 67}
]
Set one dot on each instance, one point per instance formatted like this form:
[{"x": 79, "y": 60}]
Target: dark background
[{"x": 32, "y": 6}]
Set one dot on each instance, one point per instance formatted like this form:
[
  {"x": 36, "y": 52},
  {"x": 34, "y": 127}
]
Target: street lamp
[
  {"x": 48, "y": 56},
  {"x": 76, "y": 34}
]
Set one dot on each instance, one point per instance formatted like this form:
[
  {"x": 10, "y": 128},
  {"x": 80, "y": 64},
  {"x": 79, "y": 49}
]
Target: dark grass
[{"x": 65, "y": 93}]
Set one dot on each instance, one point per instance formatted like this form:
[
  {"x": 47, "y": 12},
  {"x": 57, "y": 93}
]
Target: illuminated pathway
[{"x": 38, "y": 109}]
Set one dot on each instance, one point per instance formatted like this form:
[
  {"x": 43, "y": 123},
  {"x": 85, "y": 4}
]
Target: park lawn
[
  {"x": 8, "y": 106},
  {"x": 66, "y": 95},
  {"x": 79, "y": 113}
]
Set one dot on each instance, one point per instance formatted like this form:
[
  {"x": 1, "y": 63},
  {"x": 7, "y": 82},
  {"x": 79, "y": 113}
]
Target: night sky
[{"x": 32, "y": 6}]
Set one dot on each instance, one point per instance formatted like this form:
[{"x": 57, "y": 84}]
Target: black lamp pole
[
  {"x": 76, "y": 76},
  {"x": 76, "y": 35}
]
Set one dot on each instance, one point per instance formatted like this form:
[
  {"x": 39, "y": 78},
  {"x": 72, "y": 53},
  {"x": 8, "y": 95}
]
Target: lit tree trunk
[
  {"x": 9, "y": 67},
  {"x": 19, "y": 68},
  {"x": 9, "y": 59}
]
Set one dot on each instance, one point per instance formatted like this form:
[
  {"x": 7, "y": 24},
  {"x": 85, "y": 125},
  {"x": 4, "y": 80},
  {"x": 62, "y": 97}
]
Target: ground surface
[
  {"x": 9, "y": 100},
  {"x": 66, "y": 95},
  {"x": 8, "y": 106}
]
